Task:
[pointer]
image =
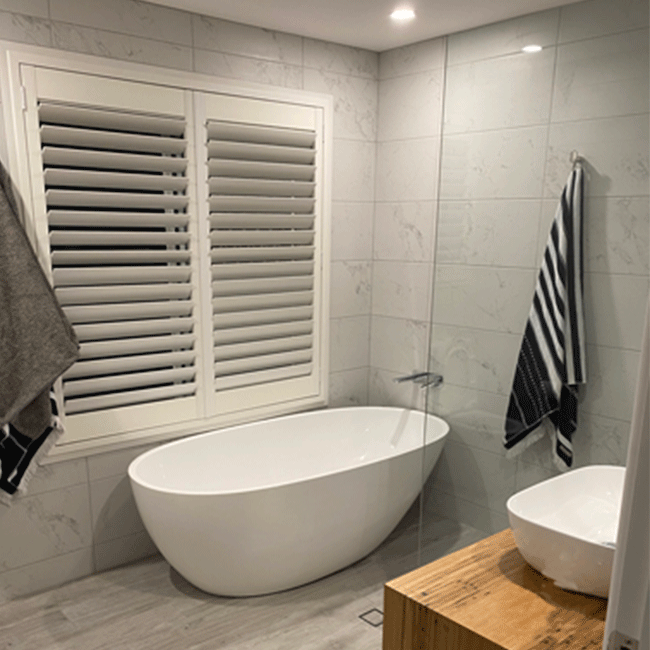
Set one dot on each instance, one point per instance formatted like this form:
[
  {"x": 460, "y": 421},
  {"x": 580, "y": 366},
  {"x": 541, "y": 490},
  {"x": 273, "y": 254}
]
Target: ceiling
[{"x": 364, "y": 23}]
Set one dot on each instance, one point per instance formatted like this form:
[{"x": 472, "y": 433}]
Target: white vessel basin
[{"x": 566, "y": 527}]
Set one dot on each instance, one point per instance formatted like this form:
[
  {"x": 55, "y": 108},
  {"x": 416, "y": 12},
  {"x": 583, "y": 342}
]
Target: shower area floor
[{"x": 148, "y": 605}]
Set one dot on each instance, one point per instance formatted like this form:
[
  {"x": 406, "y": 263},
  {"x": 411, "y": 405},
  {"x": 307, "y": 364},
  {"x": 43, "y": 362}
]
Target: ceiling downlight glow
[
  {"x": 403, "y": 14},
  {"x": 529, "y": 49}
]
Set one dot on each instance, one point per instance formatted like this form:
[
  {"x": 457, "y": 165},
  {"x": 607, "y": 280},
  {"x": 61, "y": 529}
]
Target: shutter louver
[
  {"x": 116, "y": 195},
  {"x": 261, "y": 182}
]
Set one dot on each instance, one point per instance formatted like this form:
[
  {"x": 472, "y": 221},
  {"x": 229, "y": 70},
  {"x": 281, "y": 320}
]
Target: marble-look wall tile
[
  {"x": 341, "y": 59},
  {"x": 39, "y": 8},
  {"x": 353, "y": 171},
  {"x": 475, "y": 358},
  {"x": 601, "y": 17},
  {"x": 407, "y": 170},
  {"x": 55, "y": 476},
  {"x": 352, "y": 231},
  {"x": 602, "y": 77},
  {"x": 612, "y": 377},
  {"x": 349, "y": 343},
  {"x": 499, "y": 93},
  {"x": 25, "y": 29},
  {"x": 614, "y": 308},
  {"x": 355, "y": 102},
  {"x": 126, "y": 17},
  {"x": 617, "y": 235},
  {"x": 495, "y": 164},
  {"x": 385, "y": 391},
  {"x": 243, "y": 68},
  {"x": 114, "y": 463},
  {"x": 411, "y": 59},
  {"x": 404, "y": 231},
  {"x": 453, "y": 507},
  {"x": 88, "y": 40},
  {"x": 45, "y": 525},
  {"x": 496, "y": 299},
  {"x": 410, "y": 106},
  {"x": 476, "y": 418},
  {"x": 475, "y": 475},
  {"x": 504, "y": 37},
  {"x": 398, "y": 345},
  {"x": 46, "y": 574},
  {"x": 123, "y": 550},
  {"x": 401, "y": 289},
  {"x": 529, "y": 475},
  {"x": 234, "y": 38},
  {"x": 615, "y": 151},
  {"x": 114, "y": 513},
  {"x": 348, "y": 388},
  {"x": 350, "y": 289},
  {"x": 495, "y": 232}
]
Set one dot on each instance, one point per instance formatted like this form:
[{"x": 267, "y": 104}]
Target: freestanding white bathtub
[{"x": 263, "y": 507}]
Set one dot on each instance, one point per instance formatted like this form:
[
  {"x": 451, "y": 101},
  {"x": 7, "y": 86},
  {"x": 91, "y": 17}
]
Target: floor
[{"x": 148, "y": 605}]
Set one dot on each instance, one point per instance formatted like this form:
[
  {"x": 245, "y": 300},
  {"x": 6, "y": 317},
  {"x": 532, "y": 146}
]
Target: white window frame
[{"x": 12, "y": 151}]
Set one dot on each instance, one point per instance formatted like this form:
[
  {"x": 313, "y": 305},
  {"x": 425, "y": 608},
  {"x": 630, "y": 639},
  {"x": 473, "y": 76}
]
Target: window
[{"x": 184, "y": 229}]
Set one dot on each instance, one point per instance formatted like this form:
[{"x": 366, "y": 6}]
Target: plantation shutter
[
  {"x": 264, "y": 184},
  {"x": 115, "y": 184}
]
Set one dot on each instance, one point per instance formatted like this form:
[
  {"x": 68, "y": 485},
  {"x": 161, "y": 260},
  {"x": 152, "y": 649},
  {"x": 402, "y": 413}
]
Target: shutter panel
[
  {"x": 115, "y": 190},
  {"x": 263, "y": 183}
]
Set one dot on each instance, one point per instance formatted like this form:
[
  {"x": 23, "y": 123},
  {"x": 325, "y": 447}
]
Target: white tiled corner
[
  {"x": 407, "y": 170},
  {"x": 582, "y": 20},
  {"x": 45, "y": 525},
  {"x": 496, "y": 299},
  {"x": 350, "y": 287},
  {"x": 385, "y": 391},
  {"x": 355, "y": 102},
  {"x": 499, "y": 93},
  {"x": 615, "y": 152},
  {"x": 494, "y": 164},
  {"x": 126, "y": 17},
  {"x": 234, "y": 38},
  {"x": 404, "y": 231},
  {"x": 352, "y": 230},
  {"x": 488, "y": 233},
  {"x": 401, "y": 289},
  {"x": 411, "y": 59},
  {"x": 25, "y": 29},
  {"x": 341, "y": 59},
  {"x": 114, "y": 513},
  {"x": 245, "y": 68},
  {"x": 98, "y": 42},
  {"x": 399, "y": 345},
  {"x": 602, "y": 77},
  {"x": 58, "y": 475},
  {"x": 410, "y": 106},
  {"x": 503, "y": 37},
  {"x": 349, "y": 343}
]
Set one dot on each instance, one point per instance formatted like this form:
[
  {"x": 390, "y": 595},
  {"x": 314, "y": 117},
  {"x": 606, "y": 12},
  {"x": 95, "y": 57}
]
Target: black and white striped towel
[{"x": 551, "y": 361}]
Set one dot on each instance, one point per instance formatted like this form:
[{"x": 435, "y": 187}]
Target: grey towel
[{"x": 37, "y": 344}]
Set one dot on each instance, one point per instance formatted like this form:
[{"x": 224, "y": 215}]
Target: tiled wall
[
  {"x": 79, "y": 516},
  {"x": 511, "y": 121}
]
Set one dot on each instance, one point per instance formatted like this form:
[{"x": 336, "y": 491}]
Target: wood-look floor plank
[{"x": 149, "y": 605}]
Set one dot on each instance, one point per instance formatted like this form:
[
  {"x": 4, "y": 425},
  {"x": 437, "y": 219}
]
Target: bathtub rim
[{"x": 133, "y": 465}]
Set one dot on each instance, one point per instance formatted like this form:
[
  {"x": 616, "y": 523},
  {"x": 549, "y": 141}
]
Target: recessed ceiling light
[
  {"x": 531, "y": 48},
  {"x": 403, "y": 14}
]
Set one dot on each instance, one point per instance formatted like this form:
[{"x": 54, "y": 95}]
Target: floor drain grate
[{"x": 374, "y": 617}]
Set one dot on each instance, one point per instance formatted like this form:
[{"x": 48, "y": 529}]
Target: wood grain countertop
[{"x": 486, "y": 597}]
